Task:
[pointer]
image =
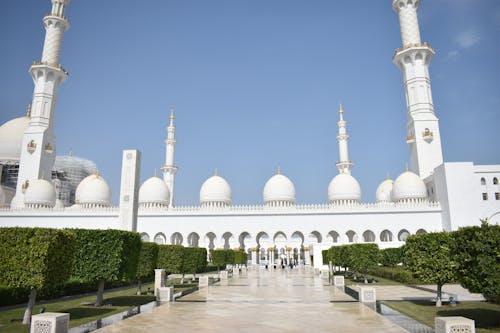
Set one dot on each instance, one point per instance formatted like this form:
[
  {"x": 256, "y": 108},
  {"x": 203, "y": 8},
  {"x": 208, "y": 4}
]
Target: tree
[
  {"x": 240, "y": 257},
  {"x": 170, "y": 258},
  {"x": 222, "y": 257},
  {"x": 429, "y": 257},
  {"x": 189, "y": 261},
  {"x": 391, "y": 257},
  {"x": 147, "y": 263},
  {"x": 35, "y": 258},
  {"x": 106, "y": 255},
  {"x": 363, "y": 257},
  {"x": 477, "y": 252}
]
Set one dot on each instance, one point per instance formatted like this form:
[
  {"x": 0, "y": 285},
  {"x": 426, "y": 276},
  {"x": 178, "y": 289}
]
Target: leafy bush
[
  {"x": 240, "y": 258},
  {"x": 391, "y": 257},
  {"x": 34, "y": 259},
  {"x": 477, "y": 252},
  {"x": 105, "y": 255},
  {"x": 170, "y": 258},
  {"x": 148, "y": 257},
  {"x": 363, "y": 257},
  {"x": 222, "y": 258},
  {"x": 399, "y": 274}
]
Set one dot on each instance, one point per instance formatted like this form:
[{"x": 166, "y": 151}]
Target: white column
[
  {"x": 129, "y": 190},
  {"x": 408, "y": 21},
  {"x": 344, "y": 165}
]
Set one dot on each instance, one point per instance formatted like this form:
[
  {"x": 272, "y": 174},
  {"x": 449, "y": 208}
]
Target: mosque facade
[{"x": 433, "y": 196}]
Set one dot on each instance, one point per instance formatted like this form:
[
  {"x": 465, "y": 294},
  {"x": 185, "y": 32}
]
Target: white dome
[
  {"x": 40, "y": 193},
  {"x": 344, "y": 187},
  {"x": 93, "y": 191},
  {"x": 2, "y": 197},
  {"x": 279, "y": 188},
  {"x": 408, "y": 186},
  {"x": 384, "y": 190},
  {"x": 215, "y": 190},
  {"x": 154, "y": 191},
  {"x": 11, "y": 138}
]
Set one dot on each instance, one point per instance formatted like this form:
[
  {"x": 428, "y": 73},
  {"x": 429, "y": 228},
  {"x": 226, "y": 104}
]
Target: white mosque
[{"x": 433, "y": 196}]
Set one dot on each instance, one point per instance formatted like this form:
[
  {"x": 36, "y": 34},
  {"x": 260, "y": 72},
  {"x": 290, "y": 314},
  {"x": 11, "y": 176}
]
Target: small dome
[
  {"x": 40, "y": 193},
  {"x": 384, "y": 190},
  {"x": 215, "y": 190},
  {"x": 11, "y": 138},
  {"x": 154, "y": 191},
  {"x": 93, "y": 191},
  {"x": 59, "y": 204},
  {"x": 344, "y": 187},
  {"x": 279, "y": 188},
  {"x": 408, "y": 186}
]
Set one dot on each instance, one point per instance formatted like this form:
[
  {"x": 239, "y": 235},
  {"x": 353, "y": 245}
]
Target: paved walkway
[{"x": 265, "y": 302}]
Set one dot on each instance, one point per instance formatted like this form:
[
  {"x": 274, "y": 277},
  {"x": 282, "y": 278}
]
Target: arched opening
[
  {"x": 228, "y": 241},
  {"x": 368, "y": 236},
  {"x": 193, "y": 239},
  {"x": 421, "y": 231},
  {"x": 403, "y": 235},
  {"x": 244, "y": 240},
  {"x": 160, "y": 239},
  {"x": 332, "y": 237},
  {"x": 483, "y": 181},
  {"x": 351, "y": 236},
  {"x": 315, "y": 237},
  {"x": 176, "y": 239},
  {"x": 144, "y": 237},
  {"x": 386, "y": 236}
]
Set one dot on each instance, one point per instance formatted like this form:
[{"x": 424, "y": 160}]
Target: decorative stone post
[
  {"x": 159, "y": 280},
  {"x": 203, "y": 281},
  {"x": 454, "y": 324},
  {"x": 367, "y": 295},
  {"x": 50, "y": 322},
  {"x": 338, "y": 281},
  {"x": 165, "y": 294}
]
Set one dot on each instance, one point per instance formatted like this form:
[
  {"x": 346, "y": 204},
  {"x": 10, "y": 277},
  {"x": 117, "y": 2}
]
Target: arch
[
  {"x": 160, "y": 238},
  {"x": 368, "y": 236},
  {"x": 176, "y": 239},
  {"x": 421, "y": 231},
  {"x": 263, "y": 239},
  {"x": 483, "y": 181},
  {"x": 386, "y": 236},
  {"x": 352, "y": 236},
  {"x": 315, "y": 237},
  {"x": 144, "y": 237},
  {"x": 297, "y": 239},
  {"x": 495, "y": 181},
  {"x": 210, "y": 240},
  {"x": 244, "y": 239},
  {"x": 279, "y": 237},
  {"x": 402, "y": 235},
  {"x": 333, "y": 237},
  {"x": 193, "y": 239},
  {"x": 228, "y": 240}
]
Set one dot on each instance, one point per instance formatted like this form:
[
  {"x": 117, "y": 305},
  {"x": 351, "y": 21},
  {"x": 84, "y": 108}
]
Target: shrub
[
  {"x": 105, "y": 255},
  {"x": 148, "y": 257},
  {"x": 34, "y": 259},
  {"x": 222, "y": 257},
  {"x": 391, "y": 257},
  {"x": 240, "y": 258},
  {"x": 363, "y": 257}
]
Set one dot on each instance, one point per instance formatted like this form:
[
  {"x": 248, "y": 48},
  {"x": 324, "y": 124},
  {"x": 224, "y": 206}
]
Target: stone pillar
[
  {"x": 236, "y": 272},
  {"x": 254, "y": 256},
  {"x": 203, "y": 281},
  {"x": 307, "y": 256},
  {"x": 367, "y": 295},
  {"x": 338, "y": 281},
  {"x": 129, "y": 189},
  {"x": 50, "y": 322},
  {"x": 165, "y": 294},
  {"x": 454, "y": 324},
  {"x": 159, "y": 280},
  {"x": 223, "y": 275}
]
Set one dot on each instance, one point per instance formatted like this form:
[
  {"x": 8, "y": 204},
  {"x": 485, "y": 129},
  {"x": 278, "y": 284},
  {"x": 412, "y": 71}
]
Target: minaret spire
[
  {"x": 170, "y": 169},
  {"x": 413, "y": 59},
  {"x": 38, "y": 148},
  {"x": 344, "y": 165}
]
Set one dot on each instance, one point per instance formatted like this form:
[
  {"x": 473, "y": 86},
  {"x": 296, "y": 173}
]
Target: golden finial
[
  {"x": 96, "y": 173},
  {"x": 216, "y": 172},
  {"x": 341, "y": 110},
  {"x": 279, "y": 170},
  {"x": 156, "y": 172},
  {"x": 172, "y": 114},
  {"x": 387, "y": 177},
  {"x": 28, "y": 111},
  {"x": 42, "y": 177},
  {"x": 406, "y": 167}
]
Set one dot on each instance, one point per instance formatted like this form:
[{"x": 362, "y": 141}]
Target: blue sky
[{"x": 256, "y": 84}]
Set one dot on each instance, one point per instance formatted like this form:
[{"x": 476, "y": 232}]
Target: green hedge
[
  {"x": 240, "y": 258},
  {"x": 148, "y": 257},
  {"x": 222, "y": 257},
  {"x": 399, "y": 274},
  {"x": 170, "y": 258}
]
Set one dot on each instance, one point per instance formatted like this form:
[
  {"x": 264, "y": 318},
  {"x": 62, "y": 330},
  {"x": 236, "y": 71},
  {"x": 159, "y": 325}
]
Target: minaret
[
  {"x": 414, "y": 59},
  {"x": 38, "y": 149},
  {"x": 169, "y": 169},
  {"x": 344, "y": 165}
]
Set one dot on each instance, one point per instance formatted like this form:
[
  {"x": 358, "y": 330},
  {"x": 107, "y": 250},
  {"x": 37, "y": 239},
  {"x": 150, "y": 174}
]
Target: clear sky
[{"x": 256, "y": 84}]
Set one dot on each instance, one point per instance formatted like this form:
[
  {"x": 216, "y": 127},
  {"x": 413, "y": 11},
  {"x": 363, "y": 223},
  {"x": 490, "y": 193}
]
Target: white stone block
[
  {"x": 165, "y": 294},
  {"x": 454, "y": 325},
  {"x": 50, "y": 322},
  {"x": 324, "y": 273},
  {"x": 223, "y": 275},
  {"x": 236, "y": 272},
  {"x": 203, "y": 281},
  {"x": 367, "y": 295},
  {"x": 159, "y": 279},
  {"x": 338, "y": 281}
]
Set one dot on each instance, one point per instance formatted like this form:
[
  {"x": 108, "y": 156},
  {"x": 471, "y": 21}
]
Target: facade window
[
  {"x": 485, "y": 196},
  {"x": 497, "y": 196},
  {"x": 495, "y": 181},
  {"x": 483, "y": 181}
]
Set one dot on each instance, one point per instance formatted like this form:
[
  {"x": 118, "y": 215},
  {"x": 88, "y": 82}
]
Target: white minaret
[
  {"x": 169, "y": 169},
  {"x": 344, "y": 165},
  {"x": 38, "y": 149},
  {"x": 414, "y": 59}
]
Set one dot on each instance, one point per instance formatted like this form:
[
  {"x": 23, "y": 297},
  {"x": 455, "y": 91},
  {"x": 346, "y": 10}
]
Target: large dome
[
  {"x": 383, "y": 193},
  {"x": 154, "y": 192},
  {"x": 40, "y": 193},
  {"x": 2, "y": 197},
  {"x": 11, "y": 138},
  {"x": 408, "y": 186},
  {"x": 344, "y": 187},
  {"x": 279, "y": 189},
  {"x": 215, "y": 190},
  {"x": 93, "y": 191}
]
